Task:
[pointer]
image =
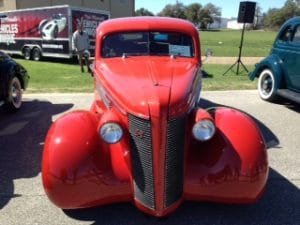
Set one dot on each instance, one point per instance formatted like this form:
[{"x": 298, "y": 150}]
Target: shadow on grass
[
  {"x": 236, "y": 70},
  {"x": 21, "y": 143},
  {"x": 206, "y": 74}
]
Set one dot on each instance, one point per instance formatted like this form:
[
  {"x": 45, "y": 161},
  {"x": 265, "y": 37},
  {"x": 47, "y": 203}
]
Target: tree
[
  {"x": 208, "y": 14},
  {"x": 203, "y": 16},
  {"x": 215, "y": 12},
  {"x": 205, "y": 19},
  {"x": 177, "y": 10},
  {"x": 258, "y": 18},
  {"x": 192, "y": 13},
  {"x": 276, "y": 17},
  {"x": 143, "y": 12},
  {"x": 291, "y": 9},
  {"x": 273, "y": 19}
]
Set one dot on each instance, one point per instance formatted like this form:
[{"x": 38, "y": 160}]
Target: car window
[
  {"x": 296, "y": 38},
  {"x": 147, "y": 43},
  {"x": 286, "y": 34}
]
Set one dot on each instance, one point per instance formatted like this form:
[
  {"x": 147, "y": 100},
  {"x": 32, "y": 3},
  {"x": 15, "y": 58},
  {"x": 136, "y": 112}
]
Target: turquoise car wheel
[{"x": 266, "y": 85}]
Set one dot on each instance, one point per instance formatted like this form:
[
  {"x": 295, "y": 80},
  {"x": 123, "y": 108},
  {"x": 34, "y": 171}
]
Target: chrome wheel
[
  {"x": 27, "y": 53},
  {"x": 13, "y": 101},
  {"x": 266, "y": 85},
  {"x": 16, "y": 93},
  {"x": 36, "y": 54}
]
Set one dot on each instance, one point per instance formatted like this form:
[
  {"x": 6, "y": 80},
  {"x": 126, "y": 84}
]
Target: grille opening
[
  {"x": 141, "y": 154},
  {"x": 142, "y": 160},
  {"x": 174, "y": 165}
]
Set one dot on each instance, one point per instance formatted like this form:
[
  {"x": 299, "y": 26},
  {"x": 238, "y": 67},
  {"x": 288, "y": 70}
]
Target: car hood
[{"x": 149, "y": 86}]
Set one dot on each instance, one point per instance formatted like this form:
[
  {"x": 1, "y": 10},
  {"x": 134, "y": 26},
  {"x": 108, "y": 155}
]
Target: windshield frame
[{"x": 152, "y": 46}]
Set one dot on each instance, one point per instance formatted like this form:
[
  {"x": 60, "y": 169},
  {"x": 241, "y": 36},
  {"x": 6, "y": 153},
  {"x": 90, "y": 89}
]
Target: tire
[
  {"x": 14, "y": 99},
  {"x": 36, "y": 54},
  {"x": 267, "y": 85},
  {"x": 27, "y": 53}
]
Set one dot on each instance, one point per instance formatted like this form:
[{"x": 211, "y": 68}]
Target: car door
[
  {"x": 281, "y": 49},
  {"x": 291, "y": 60}
]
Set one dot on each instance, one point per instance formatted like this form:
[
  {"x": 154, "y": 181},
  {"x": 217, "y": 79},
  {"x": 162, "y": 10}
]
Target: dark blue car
[{"x": 279, "y": 73}]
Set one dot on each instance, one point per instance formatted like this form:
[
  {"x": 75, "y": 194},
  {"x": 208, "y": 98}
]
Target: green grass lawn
[
  {"x": 230, "y": 81},
  {"x": 61, "y": 77},
  {"x": 56, "y": 77},
  {"x": 227, "y": 42}
]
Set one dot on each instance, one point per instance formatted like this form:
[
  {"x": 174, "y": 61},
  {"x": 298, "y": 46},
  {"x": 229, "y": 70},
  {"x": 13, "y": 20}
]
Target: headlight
[
  {"x": 204, "y": 130},
  {"x": 111, "y": 132}
]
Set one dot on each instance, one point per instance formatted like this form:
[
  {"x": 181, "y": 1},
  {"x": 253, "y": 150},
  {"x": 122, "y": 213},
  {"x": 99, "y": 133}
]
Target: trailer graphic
[{"x": 47, "y": 31}]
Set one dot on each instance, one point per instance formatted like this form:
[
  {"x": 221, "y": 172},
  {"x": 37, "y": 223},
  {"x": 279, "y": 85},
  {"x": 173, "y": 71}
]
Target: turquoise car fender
[{"x": 273, "y": 63}]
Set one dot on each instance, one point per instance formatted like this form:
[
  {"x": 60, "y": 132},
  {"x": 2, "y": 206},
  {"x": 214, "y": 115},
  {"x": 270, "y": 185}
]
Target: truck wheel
[
  {"x": 36, "y": 54},
  {"x": 267, "y": 85},
  {"x": 14, "y": 99},
  {"x": 27, "y": 53}
]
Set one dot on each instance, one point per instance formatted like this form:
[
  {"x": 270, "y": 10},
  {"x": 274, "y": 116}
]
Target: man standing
[{"x": 81, "y": 44}]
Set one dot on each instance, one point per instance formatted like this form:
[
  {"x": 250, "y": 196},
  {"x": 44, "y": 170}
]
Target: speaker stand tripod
[{"x": 239, "y": 62}]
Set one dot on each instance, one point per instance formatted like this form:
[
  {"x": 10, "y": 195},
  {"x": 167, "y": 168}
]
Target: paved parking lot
[{"x": 22, "y": 199}]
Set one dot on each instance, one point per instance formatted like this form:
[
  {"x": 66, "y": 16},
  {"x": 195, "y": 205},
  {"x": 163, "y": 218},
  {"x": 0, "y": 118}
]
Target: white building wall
[{"x": 233, "y": 24}]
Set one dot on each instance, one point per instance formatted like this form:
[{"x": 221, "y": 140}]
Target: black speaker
[{"x": 246, "y": 12}]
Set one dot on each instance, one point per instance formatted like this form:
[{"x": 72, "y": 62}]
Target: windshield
[{"x": 147, "y": 43}]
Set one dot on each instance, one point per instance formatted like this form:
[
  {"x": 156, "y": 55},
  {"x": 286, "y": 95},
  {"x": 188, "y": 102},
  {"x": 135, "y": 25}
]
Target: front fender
[
  {"x": 272, "y": 62},
  {"x": 76, "y": 167},
  {"x": 6, "y": 73},
  {"x": 232, "y": 166},
  {"x": 22, "y": 74}
]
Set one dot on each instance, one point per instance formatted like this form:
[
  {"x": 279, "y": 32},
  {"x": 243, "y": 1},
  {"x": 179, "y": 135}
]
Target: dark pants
[{"x": 82, "y": 58}]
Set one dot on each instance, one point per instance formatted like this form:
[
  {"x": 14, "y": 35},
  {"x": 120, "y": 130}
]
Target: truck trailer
[{"x": 47, "y": 31}]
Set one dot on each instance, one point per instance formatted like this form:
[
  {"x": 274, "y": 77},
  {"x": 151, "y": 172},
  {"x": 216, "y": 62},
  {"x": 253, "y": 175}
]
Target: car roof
[
  {"x": 292, "y": 21},
  {"x": 147, "y": 23}
]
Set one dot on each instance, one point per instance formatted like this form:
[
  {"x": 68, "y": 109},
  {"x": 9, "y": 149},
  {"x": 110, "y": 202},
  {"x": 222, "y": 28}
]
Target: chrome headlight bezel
[
  {"x": 111, "y": 132},
  {"x": 204, "y": 130}
]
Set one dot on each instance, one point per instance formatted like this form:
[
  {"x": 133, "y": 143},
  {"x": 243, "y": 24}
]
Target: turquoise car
[{"x": 279, "y": 73}]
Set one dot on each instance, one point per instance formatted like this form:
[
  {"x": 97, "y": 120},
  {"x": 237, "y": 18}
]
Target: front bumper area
[{"x": 79, "y": 170}]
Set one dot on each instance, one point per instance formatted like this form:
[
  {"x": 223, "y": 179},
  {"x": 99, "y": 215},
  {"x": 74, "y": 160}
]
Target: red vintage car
[{"x": 144, "y": 139}]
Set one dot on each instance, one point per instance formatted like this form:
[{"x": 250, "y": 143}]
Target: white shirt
[{"x": 80, "y": 42}]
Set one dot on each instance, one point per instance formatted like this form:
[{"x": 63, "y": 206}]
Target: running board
[{"x": 292, "y": 95}]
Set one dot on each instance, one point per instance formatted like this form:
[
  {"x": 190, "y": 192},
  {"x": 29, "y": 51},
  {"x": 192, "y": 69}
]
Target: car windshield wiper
[
  {"x": 159, "y": 54},
  {"x": 125, "y": 54}
]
